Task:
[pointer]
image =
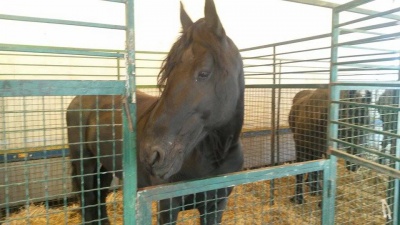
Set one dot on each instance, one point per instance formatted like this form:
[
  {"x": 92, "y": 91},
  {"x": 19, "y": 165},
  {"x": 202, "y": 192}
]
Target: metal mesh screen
[
  {"x": 258, "y": 203},
  {"x": 40, "y": 77},
  {"x": 366, "y": 58},
  {"x": 35, "y": 165}
]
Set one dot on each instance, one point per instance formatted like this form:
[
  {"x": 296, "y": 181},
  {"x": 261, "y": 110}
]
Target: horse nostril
[{"x": 156, "y": 156}]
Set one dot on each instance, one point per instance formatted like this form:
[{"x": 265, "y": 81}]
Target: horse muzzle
[{"x": 163, "y": 163}]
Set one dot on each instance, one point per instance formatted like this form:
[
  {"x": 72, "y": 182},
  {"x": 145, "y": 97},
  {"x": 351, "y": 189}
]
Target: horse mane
[{"x": 197, "y": 33}]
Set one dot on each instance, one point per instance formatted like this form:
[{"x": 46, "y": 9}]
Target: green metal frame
[
  {"x": 147, "y": 196},
  {"x": 129, "y": 123},
  {"x": 21, "y": 88},
  {"x": 336, "y": 87}
]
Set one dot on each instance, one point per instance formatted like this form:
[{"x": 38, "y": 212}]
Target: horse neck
[{"x": 220, "y": 140}]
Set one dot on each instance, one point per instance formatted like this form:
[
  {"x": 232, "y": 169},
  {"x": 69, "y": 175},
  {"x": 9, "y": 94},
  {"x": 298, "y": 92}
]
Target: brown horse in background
[{"x": 308, "y": 121}]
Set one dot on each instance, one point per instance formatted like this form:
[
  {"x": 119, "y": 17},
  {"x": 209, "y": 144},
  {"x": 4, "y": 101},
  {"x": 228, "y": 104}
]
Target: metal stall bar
[
  {"x": 348, "y": 6},
  {"x": 372, "y": 165},
  {"x": 330, "y": 176},
  {"x": 129, "y": 122},
  {"x": 148, "y": 195},
  {"x": 274, "y": 150},
  {"x": 334, "y": 5},
  {"x": 369, "y": 17},
  {"x": 61, "y": 50},
  {"x": 14, "y": 88},
  {"x": 58, "y": 21},
  {"x": 395, "y": 183}
]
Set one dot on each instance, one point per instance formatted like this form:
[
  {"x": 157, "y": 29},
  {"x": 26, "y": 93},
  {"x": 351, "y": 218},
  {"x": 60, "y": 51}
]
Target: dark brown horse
[
  {"x": 191, "y": 131},
  {"x": 308, "y": 121}
]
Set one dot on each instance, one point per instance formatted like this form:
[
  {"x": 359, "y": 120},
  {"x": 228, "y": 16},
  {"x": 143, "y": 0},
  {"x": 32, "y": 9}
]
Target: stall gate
[
  {"x": 365, "y": 57},
  {"x": 35, "y": 174},
  {"x": 38, "y": 83}
]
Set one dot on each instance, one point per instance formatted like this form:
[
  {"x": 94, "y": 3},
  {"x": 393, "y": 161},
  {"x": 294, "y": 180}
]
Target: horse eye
[{"x": 203, "y": 75}]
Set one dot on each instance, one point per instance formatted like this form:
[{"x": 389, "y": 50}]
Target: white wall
[{"x": 249, "y": 23}]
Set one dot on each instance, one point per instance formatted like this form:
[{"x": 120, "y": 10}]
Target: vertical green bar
[
  {"x": 273, "y": 127},
  {"x": 396, "y": 204},
  {"x": 330, "y": 173},
  {"x": 129, "y": 122}
]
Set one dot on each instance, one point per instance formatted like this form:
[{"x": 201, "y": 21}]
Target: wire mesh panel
[
  {"x": 365, "y": 57},
  {"x": 40, "y": 78},
  {"x": 269, "y": 138},
  {"x": 251, "y": 202}
]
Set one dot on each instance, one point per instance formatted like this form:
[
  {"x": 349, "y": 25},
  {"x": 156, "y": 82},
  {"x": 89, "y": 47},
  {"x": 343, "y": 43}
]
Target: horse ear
[
  {"x": 212, "y": 19},
  {"x": 185, "y": 19}
]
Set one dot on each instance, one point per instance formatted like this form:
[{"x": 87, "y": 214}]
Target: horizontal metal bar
[
  {"x": 15, "y": 88},
  {"x": 62, "y": 50},
  {"x": 264, "y": 57},
  {"x": 77, "y": 56},
  {"x": 189, "y": 187},
  {"x": 151, "y": 52},
  {"x": 288, "y": 86},
  {"x": 367, "y": 163},
  {"x": 366, "y": 85},
  {"x": 334, "y": 5},
  {"x": 55, "y": 75},
  {"x": 290, "y": 62},
  {"x": 373, "y": 66},
  {"x": 152, "y": 60},
  {"x": 350, "y": 5},
  {"x": 287, "y": 42},
  {"x": 367, "y": 129},
  {"x": 380, "y": 14},
  {"x": 384, "y": 37},
  {"x": 388, "y": 51},
  {"x": 359, "y": 31},
  {"x": 369, "y": 60},
  {"x": 58, "y": 65},
  {"x": 392, "y": 108},
  {"x": 364, "y": 149},
  {"x": 328, "y": 35},
  {"x": 61, "y": 22}
]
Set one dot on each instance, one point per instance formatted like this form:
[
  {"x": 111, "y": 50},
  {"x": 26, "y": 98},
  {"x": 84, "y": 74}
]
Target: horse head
[{"x": 202, "y": 82}]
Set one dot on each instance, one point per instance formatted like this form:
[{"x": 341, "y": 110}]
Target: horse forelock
[{"x": 202, "y": 35}]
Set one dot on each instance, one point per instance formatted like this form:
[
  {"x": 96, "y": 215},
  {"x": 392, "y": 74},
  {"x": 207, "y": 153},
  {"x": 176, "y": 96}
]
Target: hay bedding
[{"x": 358, "y": 202}]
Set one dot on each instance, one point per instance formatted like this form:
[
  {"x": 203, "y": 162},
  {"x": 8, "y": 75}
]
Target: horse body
[
  {"x": 308, "y": 121},
  {"x": 191, "y": 131}
]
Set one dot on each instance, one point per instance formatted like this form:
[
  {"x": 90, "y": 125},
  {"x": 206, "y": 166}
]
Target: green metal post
[
  {"x": 129, "y": 122},
  {"x": 273, "y": 127},
  {"x": 330, "y": 173},
  {"x": 396, "y": 203}
]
